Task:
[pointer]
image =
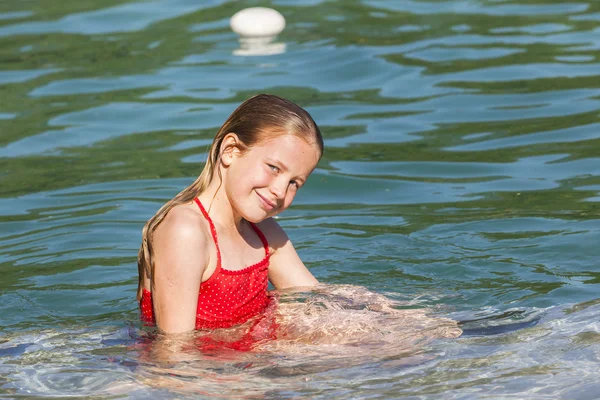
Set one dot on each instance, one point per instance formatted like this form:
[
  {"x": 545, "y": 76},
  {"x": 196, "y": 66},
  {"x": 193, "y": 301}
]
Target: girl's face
[{"x": 263, "y": 181}]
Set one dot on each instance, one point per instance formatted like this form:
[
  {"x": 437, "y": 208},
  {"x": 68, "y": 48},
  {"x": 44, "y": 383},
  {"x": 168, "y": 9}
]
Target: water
[{"x": 460, "y": 179}]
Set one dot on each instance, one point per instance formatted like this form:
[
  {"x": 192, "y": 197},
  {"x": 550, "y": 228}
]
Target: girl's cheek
[
  {"x": 289, "y": 199},
  {"x": 263, "y": 177}
]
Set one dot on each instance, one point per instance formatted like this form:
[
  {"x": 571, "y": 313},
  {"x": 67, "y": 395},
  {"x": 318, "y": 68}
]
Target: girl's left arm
[{"x": 286, "y": 269}]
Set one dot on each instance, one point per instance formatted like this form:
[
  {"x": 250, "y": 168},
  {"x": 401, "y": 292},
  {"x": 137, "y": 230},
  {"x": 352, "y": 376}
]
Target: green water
[{"x": 461, "y": 175}]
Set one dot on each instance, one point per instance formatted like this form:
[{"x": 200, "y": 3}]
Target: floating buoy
[
  {"x": 257, "y": 28},
  {"x": 257, "y": 22}
]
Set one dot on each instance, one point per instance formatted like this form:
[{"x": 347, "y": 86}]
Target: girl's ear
[{"x": 230, "y": 148}]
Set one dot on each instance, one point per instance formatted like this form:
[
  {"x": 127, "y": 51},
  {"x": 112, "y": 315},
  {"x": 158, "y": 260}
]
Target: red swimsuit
[{"x": 228, "y": 297}]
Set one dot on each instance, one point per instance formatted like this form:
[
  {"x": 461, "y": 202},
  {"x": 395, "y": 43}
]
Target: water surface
[{"x": 461, "y": 177}]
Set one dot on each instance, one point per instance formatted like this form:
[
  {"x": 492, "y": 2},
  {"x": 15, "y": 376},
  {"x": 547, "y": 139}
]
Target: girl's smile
[{"x": 268, "y": 205}]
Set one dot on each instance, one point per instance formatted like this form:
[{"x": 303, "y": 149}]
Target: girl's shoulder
[
  {"x": 182, "y": 245},
  {"x": 184, "y": 222},
  {"x": 274, "y": 233},
  {"x": 286, "y": 269}
]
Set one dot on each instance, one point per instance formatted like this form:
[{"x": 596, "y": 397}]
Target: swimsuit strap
[
  {"x": 212, "y": 230},
  {"x": 262, "y": 237}
]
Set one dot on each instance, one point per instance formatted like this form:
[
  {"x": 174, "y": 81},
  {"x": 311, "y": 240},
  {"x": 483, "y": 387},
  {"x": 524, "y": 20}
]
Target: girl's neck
[{"x": 219, "y": 208}]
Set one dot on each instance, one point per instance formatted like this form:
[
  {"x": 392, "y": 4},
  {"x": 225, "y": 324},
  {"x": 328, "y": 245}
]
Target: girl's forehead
[
  {"x": 288, "y": 142},
  {"x": 290, "y": 149}
]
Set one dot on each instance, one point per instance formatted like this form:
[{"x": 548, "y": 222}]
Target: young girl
[{"x": 208, "y": 254}]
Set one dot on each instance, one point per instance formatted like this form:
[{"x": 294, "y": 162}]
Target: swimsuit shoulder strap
[
  {"x": 213, "y": 231},
  {"x": 262, "y": 237}
]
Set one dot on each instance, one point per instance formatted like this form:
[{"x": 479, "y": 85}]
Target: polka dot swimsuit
[{"x": 228, "y": 297}]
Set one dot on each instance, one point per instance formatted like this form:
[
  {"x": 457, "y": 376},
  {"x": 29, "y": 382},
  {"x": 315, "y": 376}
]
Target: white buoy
[
  {"x": 257, "y": 27},
  {"x": 257, "y": 22}
]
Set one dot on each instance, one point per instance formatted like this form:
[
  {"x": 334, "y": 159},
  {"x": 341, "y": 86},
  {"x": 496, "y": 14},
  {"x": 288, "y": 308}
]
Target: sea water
[{"x": 458, "y": 194}]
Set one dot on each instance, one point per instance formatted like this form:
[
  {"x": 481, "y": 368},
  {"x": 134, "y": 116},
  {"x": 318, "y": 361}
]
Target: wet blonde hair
[{"x": 256, "y": 119}]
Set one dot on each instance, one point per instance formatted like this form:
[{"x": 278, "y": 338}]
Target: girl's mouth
[{"x": 268, "y": 205}]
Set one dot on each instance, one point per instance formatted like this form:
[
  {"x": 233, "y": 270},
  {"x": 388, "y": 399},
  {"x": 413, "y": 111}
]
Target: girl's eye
[
  {"x": 273, "y": 168},
  {"x": 295, "y": 184}
]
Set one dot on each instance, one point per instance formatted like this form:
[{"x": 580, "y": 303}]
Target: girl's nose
[{"x": 279, "y": 187}]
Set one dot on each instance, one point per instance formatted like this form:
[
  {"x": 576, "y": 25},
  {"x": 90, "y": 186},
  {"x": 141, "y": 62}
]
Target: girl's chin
[
  {"x": 258, "y": 219},
  {"x": 254, "y": 212},
  {"x": 256, "y": 216}
]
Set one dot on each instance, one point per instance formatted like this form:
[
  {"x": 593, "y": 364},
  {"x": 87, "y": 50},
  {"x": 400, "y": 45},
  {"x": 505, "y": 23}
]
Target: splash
[
  {"x": 346, "y": 315},
  {"x": 302, "y": 333},
  {"x": 301, "y": 336}
]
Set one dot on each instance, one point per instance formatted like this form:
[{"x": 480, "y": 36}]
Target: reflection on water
[{"x": 460, "y": 178}]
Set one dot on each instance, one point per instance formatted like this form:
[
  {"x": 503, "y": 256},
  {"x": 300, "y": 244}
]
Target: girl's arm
[
  {"x": 286, "y": 269},
  {"x": 181, "y": 256}
]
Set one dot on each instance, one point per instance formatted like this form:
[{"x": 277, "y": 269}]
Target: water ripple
[{"x": 461, "y": 176}]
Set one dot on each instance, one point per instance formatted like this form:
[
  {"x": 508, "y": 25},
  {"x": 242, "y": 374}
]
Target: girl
[{"x": 207, "y": 255}]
